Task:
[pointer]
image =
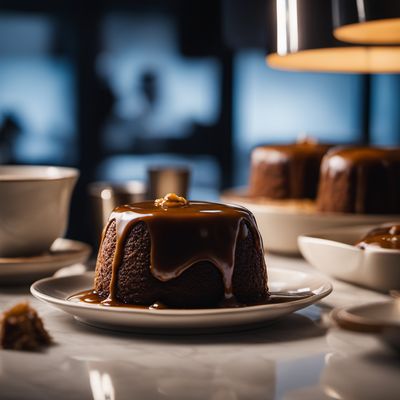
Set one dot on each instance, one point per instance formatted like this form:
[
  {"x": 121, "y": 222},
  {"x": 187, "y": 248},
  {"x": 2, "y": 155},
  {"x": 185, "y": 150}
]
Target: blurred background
[{"x": 113, "y": 87}]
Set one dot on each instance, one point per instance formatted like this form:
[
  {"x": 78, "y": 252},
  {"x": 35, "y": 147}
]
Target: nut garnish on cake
[{"x": 171, "y": 200}]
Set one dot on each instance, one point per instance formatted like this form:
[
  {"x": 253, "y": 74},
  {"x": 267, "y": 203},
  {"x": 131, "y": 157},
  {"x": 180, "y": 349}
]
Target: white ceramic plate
[
  {"x": 56, "y": 292},
  {"x": 282, "y": 222},
  {"x": 333, "y": 252},
  {"x": 63, "y": 252}
]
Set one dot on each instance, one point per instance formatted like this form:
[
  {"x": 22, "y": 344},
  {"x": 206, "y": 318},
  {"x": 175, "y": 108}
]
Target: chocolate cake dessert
[
  {"x": 363, "y": 180},
  {"x": 386, "y": 236},
  {"x": 286, "y": 171},
  {"x": 181, "y": 254}
]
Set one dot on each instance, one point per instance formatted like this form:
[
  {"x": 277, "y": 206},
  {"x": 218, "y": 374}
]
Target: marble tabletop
[{"x": 298, "y": 357}]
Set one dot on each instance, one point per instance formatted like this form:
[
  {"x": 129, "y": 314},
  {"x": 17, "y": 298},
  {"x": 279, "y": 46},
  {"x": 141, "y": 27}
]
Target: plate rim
[
  {"x": 325, "y": 285},
  {"x": 347, "y": 317}
]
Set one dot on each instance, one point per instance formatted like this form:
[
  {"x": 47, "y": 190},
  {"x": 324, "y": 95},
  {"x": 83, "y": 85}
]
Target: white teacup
[{"x": 34, "y": 207}]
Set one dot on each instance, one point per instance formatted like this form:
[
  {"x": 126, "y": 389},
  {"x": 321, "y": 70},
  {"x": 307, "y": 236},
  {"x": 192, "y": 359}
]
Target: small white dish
[
  {"x": 63, "y": 252},
  {"x": 57, "y": 291},
  {"x": 333, "y": 252},
  {"x": 381, "y": 318},
  {"x": 281, "y": 222}
]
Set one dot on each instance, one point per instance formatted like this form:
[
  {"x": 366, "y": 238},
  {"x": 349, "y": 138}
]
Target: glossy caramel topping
[
  {"x": 341, "y": 158},
  {"x": 279, "y": 153},
  {"x": 92, "y": 297},
  {"x": 387, "y": 237},
  {"x": 184, "y": 235}
]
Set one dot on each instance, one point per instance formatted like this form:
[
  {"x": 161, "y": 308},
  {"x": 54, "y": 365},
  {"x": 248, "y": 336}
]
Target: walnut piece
[
  {"x": 22, "y": 329},
  {"x": 171, "y": 200},
  {"x": 305, "y": 139}
]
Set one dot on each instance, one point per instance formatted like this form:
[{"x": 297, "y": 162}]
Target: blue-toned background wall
[
  {"x": 277, "y": 106},
  {"x": 122, "y": 86},
  {"x": 385, "y": 110},
  {"x": 36, "y": 93}
]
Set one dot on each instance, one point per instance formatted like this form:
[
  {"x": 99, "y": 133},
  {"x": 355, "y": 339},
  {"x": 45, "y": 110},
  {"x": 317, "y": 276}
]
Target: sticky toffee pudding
[{"x": 180, "y": 254}]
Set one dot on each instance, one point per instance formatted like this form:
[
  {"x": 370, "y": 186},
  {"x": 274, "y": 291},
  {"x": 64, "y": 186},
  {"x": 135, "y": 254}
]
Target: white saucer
[
  {"x": 381, "y": 318},
  {"x": 333, "y": 252},
  {"x": 63, "y": 252},
  {"x": 56, "y": 291},
  {"x": 282, "y": 221}
]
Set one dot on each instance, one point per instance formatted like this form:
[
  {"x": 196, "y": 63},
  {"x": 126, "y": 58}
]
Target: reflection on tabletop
[
  {"x": 145, "y": 376},
  {"x": 113, "y": 365},
  {"x": 357, "y": 368},
  {"x": 350, "y": 369},
  {"x": 257, "y": 364}
]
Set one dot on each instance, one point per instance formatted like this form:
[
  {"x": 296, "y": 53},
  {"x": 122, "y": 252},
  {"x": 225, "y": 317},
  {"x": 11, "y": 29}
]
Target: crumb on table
[{"x": 21, "y": 328}]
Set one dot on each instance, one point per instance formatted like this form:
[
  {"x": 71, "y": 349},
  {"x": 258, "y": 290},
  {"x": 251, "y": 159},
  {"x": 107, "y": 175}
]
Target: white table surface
[{"x": 295, "y": 358}]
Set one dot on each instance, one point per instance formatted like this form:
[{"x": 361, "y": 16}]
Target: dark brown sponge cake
[
  {"x": 362, "y": 180},
  {"x": 286, "y": 171},
  {"x": 200, "y": 285}
]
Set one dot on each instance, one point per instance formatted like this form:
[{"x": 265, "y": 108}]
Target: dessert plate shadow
[
  {"x": 57, "y": 291},
  {"x": 332, "y": 251},
  {"x": 281, "y": 222},
  {"x": 22, "y": 270}
]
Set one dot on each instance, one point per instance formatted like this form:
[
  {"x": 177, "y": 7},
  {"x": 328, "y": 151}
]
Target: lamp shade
[
  {"x": 367, "y": 21},
  {"x": 300, "y": 37}
]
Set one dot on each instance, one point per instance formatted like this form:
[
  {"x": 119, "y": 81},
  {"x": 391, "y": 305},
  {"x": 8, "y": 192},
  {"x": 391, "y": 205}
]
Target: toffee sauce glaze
[
  {"x": 92, "y": 297},
  {"x": 386, "y": 237},
  {"x": 182, "y": 236}
]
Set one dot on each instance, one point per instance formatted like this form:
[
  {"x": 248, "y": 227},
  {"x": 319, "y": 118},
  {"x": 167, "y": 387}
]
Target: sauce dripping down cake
[{"x": 181, "y": 254}]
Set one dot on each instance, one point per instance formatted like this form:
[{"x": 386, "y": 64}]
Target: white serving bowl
[
  {"x": 282, "y": 222},
  {"x": 34, "y": 207},
  {"x": 333, "y": 252}
]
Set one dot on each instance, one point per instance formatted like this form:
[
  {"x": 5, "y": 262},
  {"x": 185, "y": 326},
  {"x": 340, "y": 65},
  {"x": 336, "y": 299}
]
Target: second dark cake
[
  {"x": 286, "y": 171},
  {"x": 362, "y": 180}
]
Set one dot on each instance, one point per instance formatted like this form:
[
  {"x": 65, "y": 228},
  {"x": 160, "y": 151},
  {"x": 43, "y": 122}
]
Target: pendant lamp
[
  {"x": 367, "y": 21},
  {"x": 300, "y": 37}
]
